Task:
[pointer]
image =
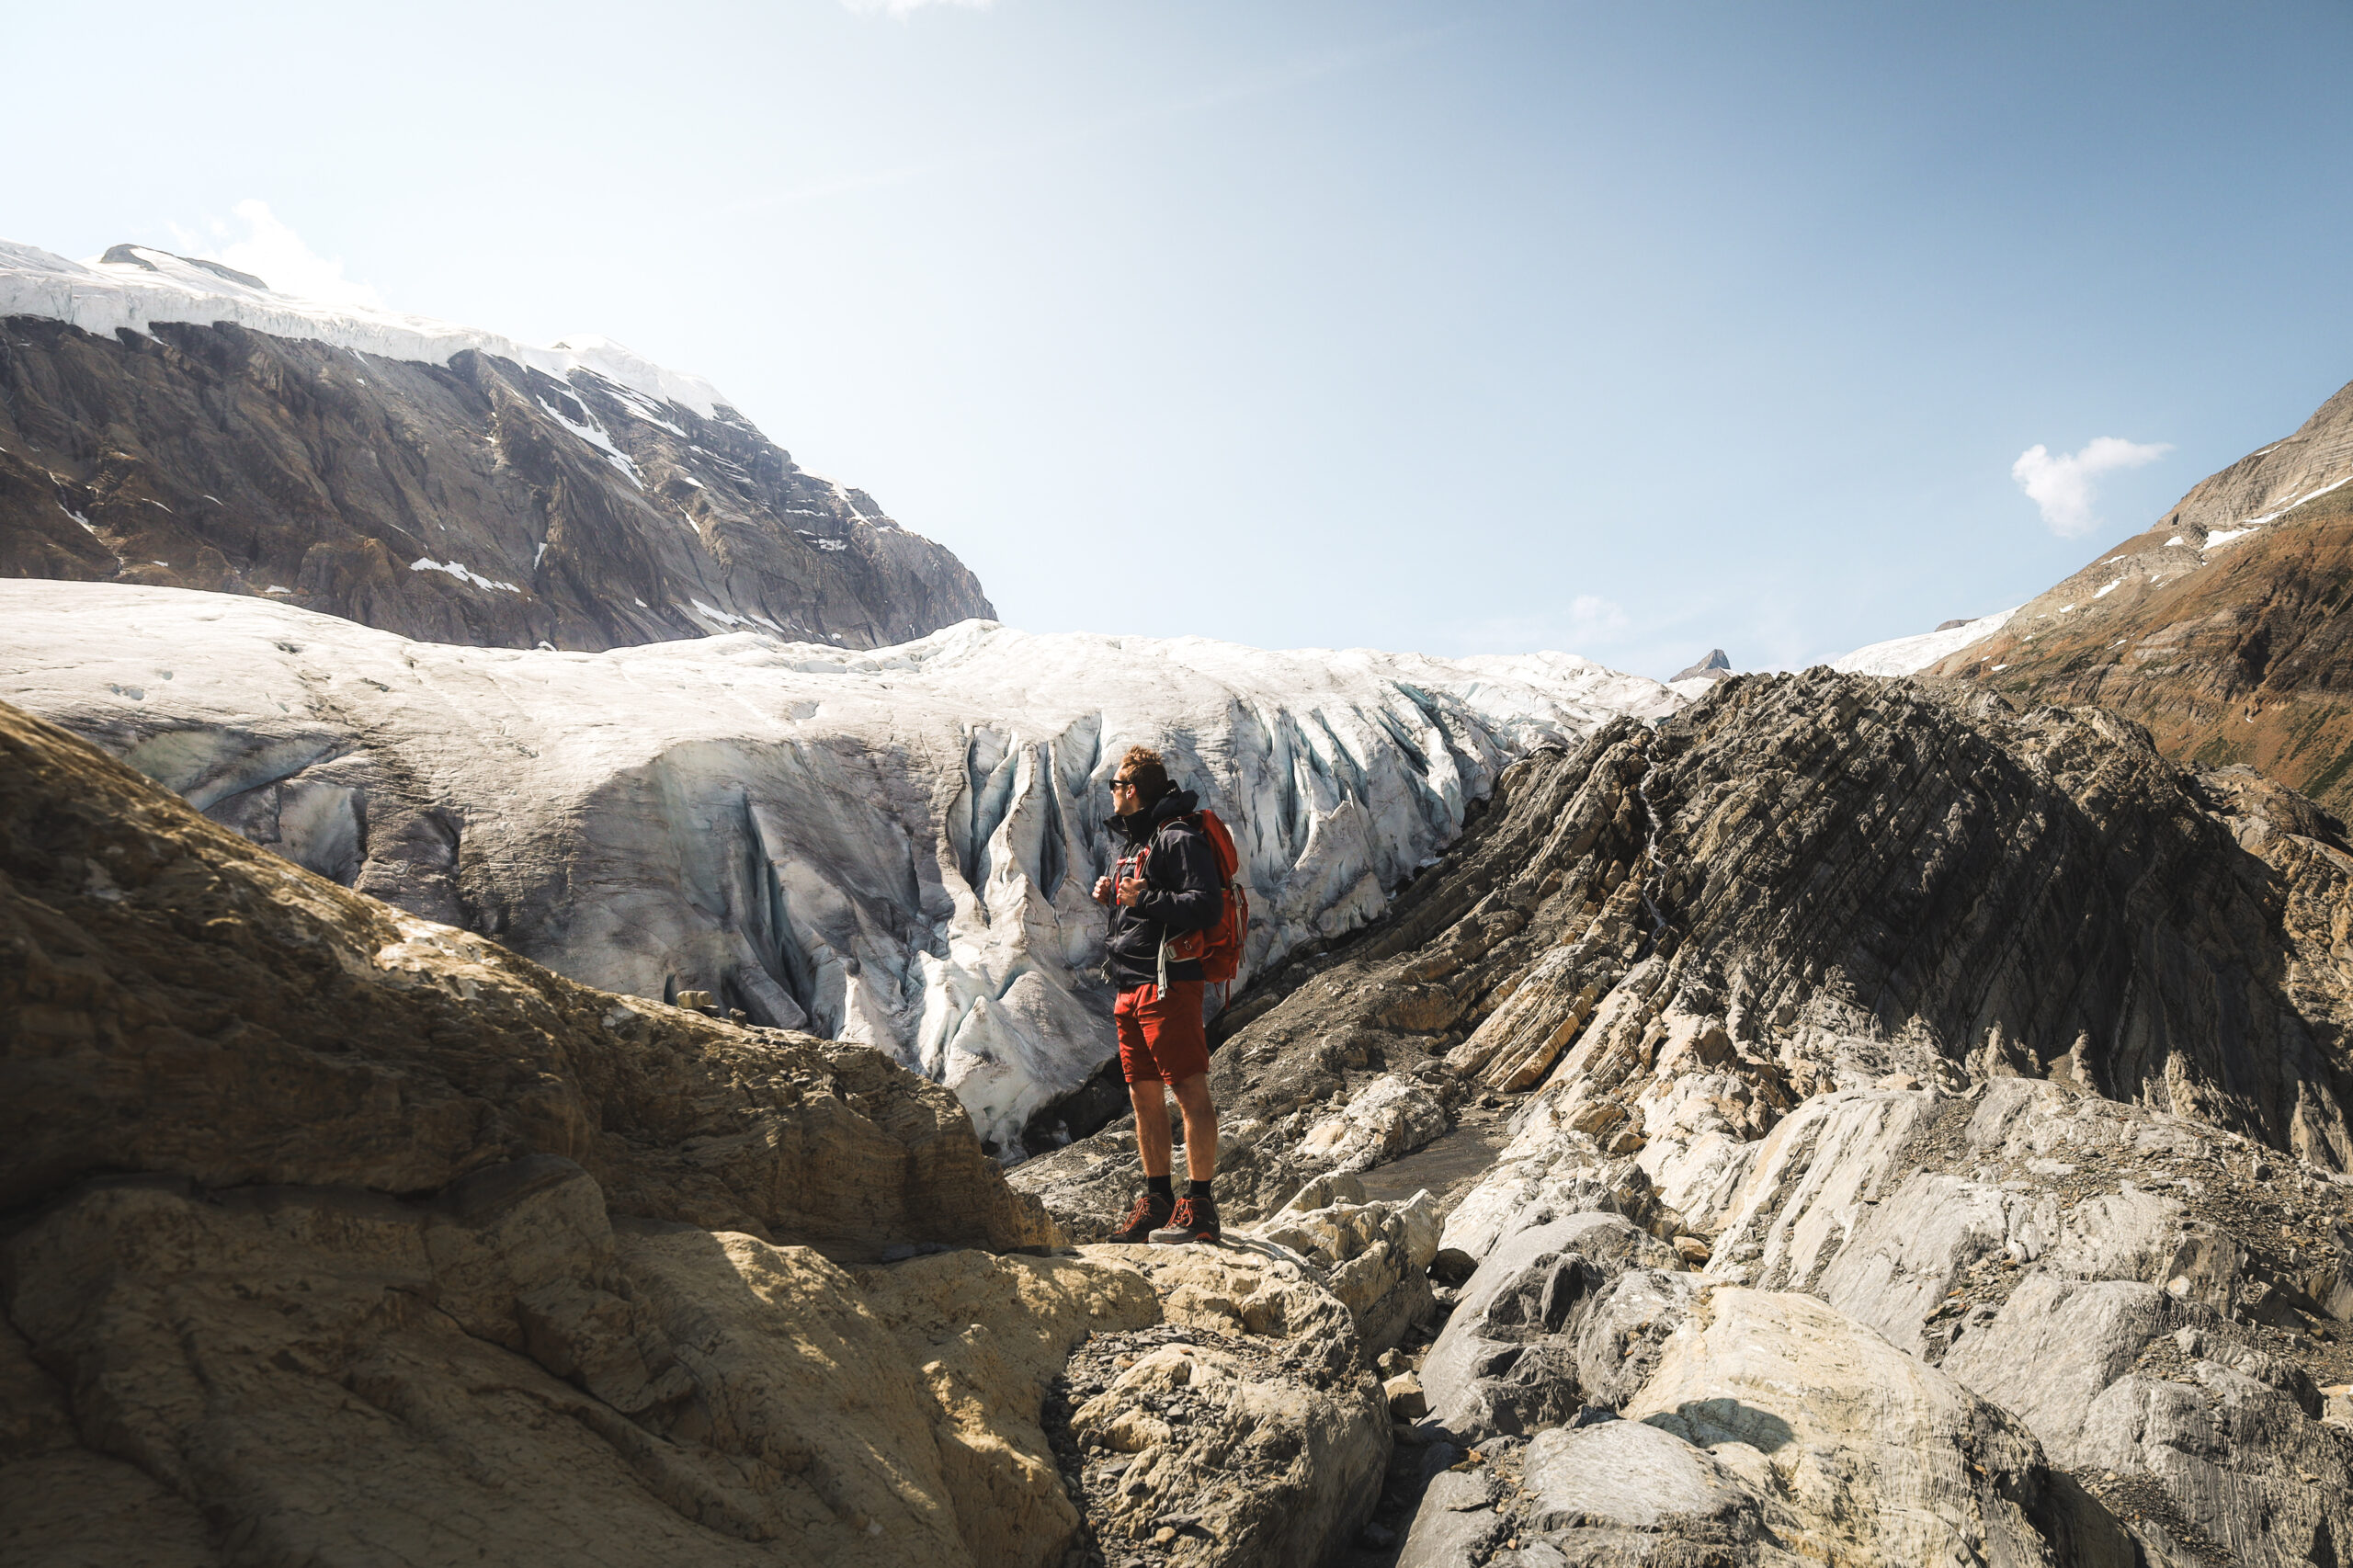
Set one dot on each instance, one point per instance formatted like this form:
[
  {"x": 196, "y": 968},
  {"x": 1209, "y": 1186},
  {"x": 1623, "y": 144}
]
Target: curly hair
[{"x": 1147, "y": 772}]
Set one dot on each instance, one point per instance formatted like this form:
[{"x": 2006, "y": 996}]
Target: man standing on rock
[{"x": 1167, "y": 883}]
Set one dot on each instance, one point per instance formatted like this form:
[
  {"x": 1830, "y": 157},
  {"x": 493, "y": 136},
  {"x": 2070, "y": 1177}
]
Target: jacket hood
[{"x": 1139, "y": 828}]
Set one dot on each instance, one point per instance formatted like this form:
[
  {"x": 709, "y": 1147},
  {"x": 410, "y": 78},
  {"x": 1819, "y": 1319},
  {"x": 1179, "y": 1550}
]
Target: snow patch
[
  {"x": 1903, "y": 655},
  {"x": 593, "y": 434},
  {"x": 462, "y": 572},
  {"x": 2103, "y": 593},
  {"x": 2222, "y": 537},
  {"x": 2283, "y": 511}
]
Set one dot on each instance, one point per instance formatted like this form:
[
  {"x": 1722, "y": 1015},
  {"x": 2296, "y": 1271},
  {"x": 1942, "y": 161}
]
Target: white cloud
[
  {"x": 2063, "y": 486},
  {"x": 900, "y": 7},
  {"x": 275, "y": 254}
]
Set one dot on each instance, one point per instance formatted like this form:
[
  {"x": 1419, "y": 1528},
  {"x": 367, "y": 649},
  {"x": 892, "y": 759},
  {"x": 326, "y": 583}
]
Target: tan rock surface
[
  {"x": 329, "y": 1375},
  {"x": 1868, "y": 1455},
  {"x": 184, "y": 1002},
  {"x": 1247, "y": 1429}
]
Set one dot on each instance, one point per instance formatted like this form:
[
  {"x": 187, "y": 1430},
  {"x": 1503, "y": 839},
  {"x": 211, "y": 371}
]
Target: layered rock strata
[
  {"x": 334, "y": 1233},
  {"x": 1892, "y": 997},
  {"x": 1805, "y": 883}
]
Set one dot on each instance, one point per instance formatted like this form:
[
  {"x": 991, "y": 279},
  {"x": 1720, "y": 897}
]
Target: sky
[{"x": 1464, "y": 327}]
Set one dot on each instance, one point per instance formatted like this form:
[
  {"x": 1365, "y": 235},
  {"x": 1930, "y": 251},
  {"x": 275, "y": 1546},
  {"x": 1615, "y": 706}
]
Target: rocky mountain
[
  {"x": 1712, "y": 667},
  {"x": 174, "y": 422},
  {"x": 1875, "y": 1092},
  {"x": 895, "y": 848},
  {"x": 2222, "y": 626},
  {"x": 335, "y": 1235},
  {"x": 1838, "y": 1120},
  {"x": 1845, "y": 1120}
]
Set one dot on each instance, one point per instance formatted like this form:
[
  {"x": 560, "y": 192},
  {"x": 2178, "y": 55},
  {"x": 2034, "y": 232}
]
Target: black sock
[
  {"x": 1158, "y": 1187},
  {"x": 1198, "y": 1190}
]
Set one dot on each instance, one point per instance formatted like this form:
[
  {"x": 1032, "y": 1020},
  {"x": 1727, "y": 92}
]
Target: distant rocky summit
[
  {"x": 1713, "y": 667},
  {"x": 2223, "y": 628},
  {"x": 174, "y": 422}
]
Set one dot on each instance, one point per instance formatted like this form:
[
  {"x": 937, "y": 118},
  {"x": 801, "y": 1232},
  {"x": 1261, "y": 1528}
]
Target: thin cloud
[
  {"x": 901, "y": 7},
  {"x": 1591, "y": 622},
  {"x": 2063, "y": 487},
  {"x": 277, "y": 256},
  {"x": 1281, "y": 79}
]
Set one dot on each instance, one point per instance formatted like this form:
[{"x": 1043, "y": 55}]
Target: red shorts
[{"x": 1161, "y": 1035}]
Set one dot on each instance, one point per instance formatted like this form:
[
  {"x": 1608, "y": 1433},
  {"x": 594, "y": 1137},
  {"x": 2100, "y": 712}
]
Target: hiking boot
[
  {"x": 1151, "y": 1211},
  {"x": 1195, "y": 1220}
]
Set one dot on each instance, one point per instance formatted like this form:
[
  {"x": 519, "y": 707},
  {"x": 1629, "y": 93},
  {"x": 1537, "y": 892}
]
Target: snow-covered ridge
[
  {"x": 1903, "y": 655},
  {"x": 156, "y": 286},
  {"x": 895, "y": 847}
]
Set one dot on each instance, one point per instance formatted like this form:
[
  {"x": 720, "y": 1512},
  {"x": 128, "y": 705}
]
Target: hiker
[{"x": 1169, "y": 884}]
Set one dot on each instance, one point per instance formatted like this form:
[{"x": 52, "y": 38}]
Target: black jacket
[{"x": 1183, "y": 891}]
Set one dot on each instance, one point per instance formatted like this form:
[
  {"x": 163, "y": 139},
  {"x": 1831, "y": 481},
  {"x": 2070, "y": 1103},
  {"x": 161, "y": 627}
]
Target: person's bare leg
[
  {"x": 1200, "y": 1129},
  {"x": 1149, "y": 1098}
]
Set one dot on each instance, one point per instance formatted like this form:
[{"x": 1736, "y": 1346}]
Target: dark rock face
[
  {"x": 479, "y": 501},
  {"x": 2221, "y": 627}
]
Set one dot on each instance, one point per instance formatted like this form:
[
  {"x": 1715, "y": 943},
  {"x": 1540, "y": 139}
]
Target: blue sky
[{"x": 1466, "y": 327}]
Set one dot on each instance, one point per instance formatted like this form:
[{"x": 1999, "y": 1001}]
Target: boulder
[
  {"x": 2234, "y": 1436},
  {"x": 1630, "y": 1489},
  {"x": 1246, "y": 1433},
  {"x": 1557, "y": 1305},
  {"x": 1869, "y": 1454},
  {"x": 1376, "y": 1255}
]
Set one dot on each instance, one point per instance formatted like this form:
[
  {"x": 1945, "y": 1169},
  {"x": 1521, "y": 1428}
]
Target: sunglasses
[{"x": 1120, "y": 784}]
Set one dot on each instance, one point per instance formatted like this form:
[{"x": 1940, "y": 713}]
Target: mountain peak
[{"x": 1715, "y": 666}]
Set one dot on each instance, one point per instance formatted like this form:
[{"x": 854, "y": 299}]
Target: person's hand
[
  {"x": 1102, "y": 890},
  {"x": 1131, "y": 890}
]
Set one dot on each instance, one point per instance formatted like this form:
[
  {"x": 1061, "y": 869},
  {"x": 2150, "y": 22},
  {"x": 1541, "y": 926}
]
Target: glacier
[
  {"x": 136, "y": 285},
  {"x": 1903, "y": 655},
  {"x": 893, "y": 847}
]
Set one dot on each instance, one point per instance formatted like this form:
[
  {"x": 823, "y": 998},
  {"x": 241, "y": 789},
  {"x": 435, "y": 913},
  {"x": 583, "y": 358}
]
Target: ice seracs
[{"x": 893, "y": 847}]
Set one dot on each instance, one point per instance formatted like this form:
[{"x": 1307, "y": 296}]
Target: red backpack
[{"x": 1219, "y": 948}]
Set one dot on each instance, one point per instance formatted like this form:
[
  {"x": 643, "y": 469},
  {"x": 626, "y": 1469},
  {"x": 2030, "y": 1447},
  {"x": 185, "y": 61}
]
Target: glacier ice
[
  {"x": 155, "y": 286},
  {"x": 1903, "y": 655},
  {"x": 895, "y": 846}
]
